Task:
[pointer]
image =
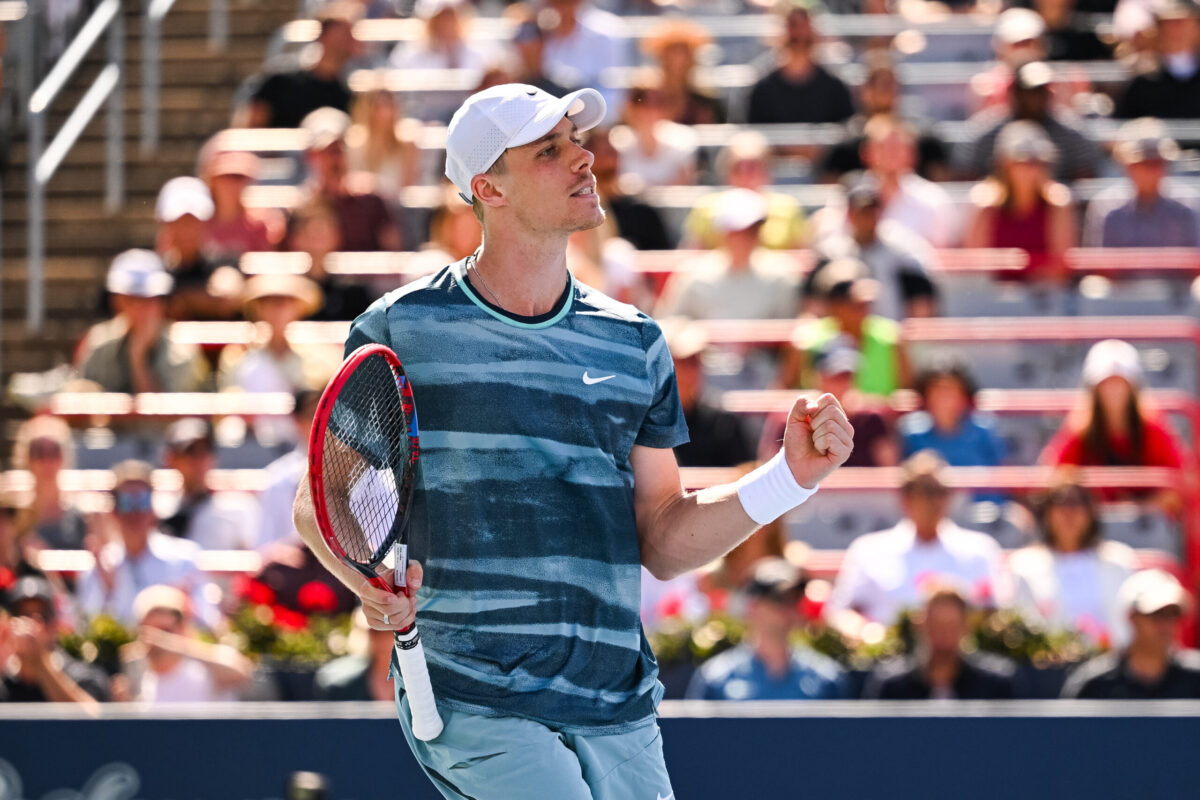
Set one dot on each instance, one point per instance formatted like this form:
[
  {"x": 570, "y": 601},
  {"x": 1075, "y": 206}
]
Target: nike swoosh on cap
[{"x": 589, "y": 380}]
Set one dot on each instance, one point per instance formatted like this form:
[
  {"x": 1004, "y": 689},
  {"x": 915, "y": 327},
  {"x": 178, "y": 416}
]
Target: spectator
[
  {"x": 364, "y": 221},
  {"x": 442, "y": 45},
  {"x": 637, "y": 222},
  {"x": 581, "y": 43},
  {"x": 654, "y": 151},
  {"x": 1029, "y": 101},
  {"x": 33, "y": 668},
  {"x": 1151, "y": 667},
  {"x": 1018, "y": 39},
  {"x": 273, "y": 365},
  {"x": 1068, "y": 36},
  {"x": 849, "y": 295},
  {"x": 283, "y": 479},
  {"x": 223, "y": 521},
  {"x": 878, "y": 94},
  {"x": 16, "y": 554},
  {"x": 940, "y": 669},
  {"x": 169, "y": 663},
  {"x": 364, "y": 672},
  {"x": 718, "y": 438},
  {"x": 529, "y": 47},
  {"x": 1021, "y": 206},
  {"x": 767, "y": 666},
  {"x": 897, "y": 258},
  {"x": 885, "y": 573},
  {"x": 1171, "y": 90},
  {"x": 1070, "y": 579},
  {"x": 133, "y": 352},
  {"x": 383, "y": 144},
  {"x": 798, "y": 89},
  {"x": 454, "y": 233},
  {"x": 1150, "y": 218},
  {"x": 745, "y": 163},
  {"x": 1111, "y": 426},
  {"x": 741, "y": 280},
  {"x": 284, "y": 99},
  {"x": 202, "y": 289},
  {"x": 948, "y": 423},
  {"x": 43, "y": 446},
  {"x": 734, "y": 569},
  {"x": 313, "y": 229},
  {"x": 233, "y": 229},
  {"x": 140, "y": 555},
  {"x": 674, "y": 45}
]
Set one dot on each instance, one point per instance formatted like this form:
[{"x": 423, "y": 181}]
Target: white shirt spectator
[
  {"x": 224, "y": 521},
  {"x": 275, "y": 502},
  {"x": 1075, "y": 591},
  {"x": 166, "y": 560},
  {"x": 921, "y": 206},
  {"x": 188, "y": 682},
  {"x": 674, "y": 157},
  {"x": 598, "y": 42},
  {"x": 887, "y": 572},
  {"x": 710, "y": 290},
  {"x": 419, "y": 55}
]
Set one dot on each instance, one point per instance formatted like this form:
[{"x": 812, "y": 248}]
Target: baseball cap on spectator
[
  {"x": 1034, "y": 75},
  {"x": 837, "y": 359},
  {"x": 509, "y": 115},
  {"x": 1144, "y": 139},
  {"x": 863, "y": 190},
  {"x": 775, "y": 579},
  {"x": 138, "y": 273},
  {"x": 847, "y": 279},
  {"x": 31, "y": 587},
  {"x": 159, "y": 598},
  {"x": 325, "y": 126},
  {"x": 1024, "y": 141},
  {"x": 1151, "y": 590},
  {"x": 739, "y": 210},
  {"x": 923, "y": 469},
  {"x": 1109, "y": 358},
  {"x": 299, "y": 287},
  {"x": 1018, "y": 25},
  {"x": 132, "y": 470},
  {"x": 183, "y": 433},
  {"x": 181, "y": 196},
  {"x": 233, "y": 162},
  {"x": 1176, "y": 9}
]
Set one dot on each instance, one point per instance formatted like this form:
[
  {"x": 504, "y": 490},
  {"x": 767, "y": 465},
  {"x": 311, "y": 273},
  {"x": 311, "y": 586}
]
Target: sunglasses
[{"x": 133, "y": 502}]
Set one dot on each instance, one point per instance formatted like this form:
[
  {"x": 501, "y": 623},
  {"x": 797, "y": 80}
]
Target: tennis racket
[{"x": 362, "y": 457}]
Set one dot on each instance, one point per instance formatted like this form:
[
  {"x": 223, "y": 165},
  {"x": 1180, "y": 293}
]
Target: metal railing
[
  {"x": 152, "y": 22},
  {"x": 45, "y": 160}
]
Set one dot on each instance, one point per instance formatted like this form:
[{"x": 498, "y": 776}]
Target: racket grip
[{"x": 426, "y": 721}]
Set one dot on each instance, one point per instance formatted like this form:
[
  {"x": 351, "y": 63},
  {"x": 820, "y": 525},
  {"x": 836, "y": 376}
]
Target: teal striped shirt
[{"x": 523, "y": 514}]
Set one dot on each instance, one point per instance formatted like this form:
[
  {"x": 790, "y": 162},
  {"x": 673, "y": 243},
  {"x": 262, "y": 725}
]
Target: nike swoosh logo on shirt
[
  {"x": 589, "y": 380},
  {"x": 658, "y": 796}
]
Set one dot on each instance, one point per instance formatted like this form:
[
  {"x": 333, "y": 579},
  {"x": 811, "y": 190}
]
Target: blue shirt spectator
[{"x": 740, "y": 674}]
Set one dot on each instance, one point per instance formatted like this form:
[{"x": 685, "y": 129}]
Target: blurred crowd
[{"x": 141, "y": 550}]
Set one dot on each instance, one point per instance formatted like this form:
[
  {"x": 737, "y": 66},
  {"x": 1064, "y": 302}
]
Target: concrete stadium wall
[{"x": 714, "y": 750}]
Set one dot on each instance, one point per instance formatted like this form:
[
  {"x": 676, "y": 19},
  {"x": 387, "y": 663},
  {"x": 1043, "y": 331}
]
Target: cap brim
[{"x": 585, "y": 107}]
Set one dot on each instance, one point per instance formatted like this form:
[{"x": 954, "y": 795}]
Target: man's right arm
[{"x": 399, "y": 609}]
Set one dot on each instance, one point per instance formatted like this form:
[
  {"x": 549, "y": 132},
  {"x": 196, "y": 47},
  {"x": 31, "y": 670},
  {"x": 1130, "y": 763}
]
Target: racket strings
[{"x": 366, "y": 460}]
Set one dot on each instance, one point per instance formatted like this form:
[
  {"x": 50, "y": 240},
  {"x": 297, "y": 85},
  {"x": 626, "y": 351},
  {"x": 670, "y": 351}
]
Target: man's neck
[
  {"x": 774, "y": 653},
  {"x": 942, "y": 669},
  {"x": 927, "y": 534},
  {"x": 327, "y": 69},
  {"x": 525, "y": 275},
  {"x": 798, "y": 63},
  {"x": 1148, "y": 664}
]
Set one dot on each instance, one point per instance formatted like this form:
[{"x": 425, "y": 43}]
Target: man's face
[
  {"x": 142, "y": 313},
  {"x": 1180, "y": 35},
  {"x": 944, "y": 627},
  {"x": 863, "y": 221},
  {"x": 946, "y": 399},
  {"x": 1156, "y": 631},
  {"x": 879, "y": 92},
  {"x": 771, "y": 617},
  {"x": 1146, "y": 175},
  {"x": 893, "y": 154},
  {"x": 798, "y": 29},
  {"x": 328, "y": 164},
  {"x": 925, "y": 503},
  {"x": 133, "y": 510},
  {"x": 193, "y": 461},
  {"x": 748, "y": 173},
  {"x": 339, "y": 43},
  {"x": 45, "y": 457},
  {"x": 185, "y": 234},
  {"x": 837, "y": 384},
  {"x": 541, "y": 183}
]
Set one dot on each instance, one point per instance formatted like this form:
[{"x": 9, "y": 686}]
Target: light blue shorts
[{"x": 510, "y": 758}]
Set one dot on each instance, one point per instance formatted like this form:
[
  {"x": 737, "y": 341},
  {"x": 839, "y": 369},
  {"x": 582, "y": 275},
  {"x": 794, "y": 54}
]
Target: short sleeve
[
  {"x": 664, "y": 425},
  {"x": 370, "y": 327}
]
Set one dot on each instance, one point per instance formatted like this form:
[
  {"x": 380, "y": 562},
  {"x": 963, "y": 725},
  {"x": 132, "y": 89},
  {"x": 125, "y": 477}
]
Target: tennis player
[{"x": 548, "y": 412}]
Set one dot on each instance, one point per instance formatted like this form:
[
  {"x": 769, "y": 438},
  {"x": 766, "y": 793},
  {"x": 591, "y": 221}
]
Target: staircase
[{"x": 196, "y": 99}]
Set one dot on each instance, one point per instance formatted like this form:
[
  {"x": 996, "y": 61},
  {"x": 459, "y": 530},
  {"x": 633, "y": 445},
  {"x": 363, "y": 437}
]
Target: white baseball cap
[
  {"x": 738, "y": 209},
  {"x": 1109, "y": 358},
  {"x": 185, "y": 195},
  {"x": 1151, "y": 590},
  {"x": 509, "y": 115},
  {"x": 1018, "y": 25},
  {"x": 138, "y": 273}
]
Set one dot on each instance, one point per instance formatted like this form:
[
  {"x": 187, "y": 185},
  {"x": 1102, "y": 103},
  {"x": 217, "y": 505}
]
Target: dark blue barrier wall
[{"x": 850, "y": 750}]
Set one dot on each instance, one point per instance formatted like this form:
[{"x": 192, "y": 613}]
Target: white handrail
[
  {"x": 42, "y": 161},
  {"x": 156, "y": 12}
]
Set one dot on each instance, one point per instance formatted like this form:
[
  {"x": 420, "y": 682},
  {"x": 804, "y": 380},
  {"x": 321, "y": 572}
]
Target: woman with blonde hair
[
  {"x": 1021, "y": 205},
  {"x": 380, "y": 141}
]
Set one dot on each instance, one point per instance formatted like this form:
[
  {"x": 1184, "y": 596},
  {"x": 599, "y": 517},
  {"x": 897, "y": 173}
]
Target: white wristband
[{"x": 771, "y": 490}]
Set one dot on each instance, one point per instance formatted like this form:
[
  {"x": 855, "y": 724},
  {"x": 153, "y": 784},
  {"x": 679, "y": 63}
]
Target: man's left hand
[{"x": 818, "y": 439}]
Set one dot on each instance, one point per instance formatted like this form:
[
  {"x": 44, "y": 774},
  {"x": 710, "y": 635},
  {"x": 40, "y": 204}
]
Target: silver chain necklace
[{"x": 483, "y": 283}]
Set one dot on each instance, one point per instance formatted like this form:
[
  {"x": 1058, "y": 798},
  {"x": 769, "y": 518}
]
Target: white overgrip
[{"x": 426, "y": 721}]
